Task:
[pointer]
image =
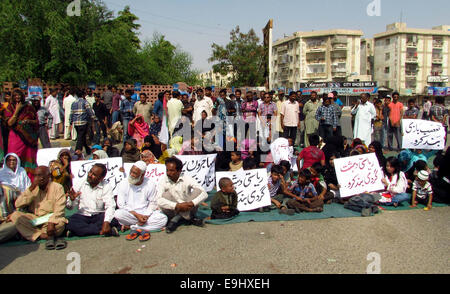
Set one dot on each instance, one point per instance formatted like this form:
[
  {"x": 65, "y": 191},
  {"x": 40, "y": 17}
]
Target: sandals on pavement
[
  {"x": 50, "y": 244},
  {"x": 145, "y": 236},
  {"x": 61, "y": 243},
  {"x": 133, "y": 235}
]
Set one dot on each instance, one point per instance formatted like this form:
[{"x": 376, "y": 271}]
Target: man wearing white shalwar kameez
[
  {"x": 365, "y": 113},
  {"x": 52, "y": 104},
  {"x": 67, "y": 105},
  {"x": 137, "y": 202}
]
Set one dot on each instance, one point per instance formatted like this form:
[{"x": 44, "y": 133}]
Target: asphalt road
[{"x": 412, "y": 241}]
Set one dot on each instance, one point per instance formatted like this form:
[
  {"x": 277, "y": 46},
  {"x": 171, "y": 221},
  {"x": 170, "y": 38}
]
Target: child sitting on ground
[
  {"x": 236, "y": 161},
  {"x": 422, "y": 190},
  {"x": 319, "y": 183},
  {"x": 224, "y": 202},
  {"x": 278, "y": 198},
  {"x": 306, "y": 198}
]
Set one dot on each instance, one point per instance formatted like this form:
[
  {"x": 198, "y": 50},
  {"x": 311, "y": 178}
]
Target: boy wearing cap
[
  {"x": 45, "y": 121},
  {"x": 422, "y": 190}
]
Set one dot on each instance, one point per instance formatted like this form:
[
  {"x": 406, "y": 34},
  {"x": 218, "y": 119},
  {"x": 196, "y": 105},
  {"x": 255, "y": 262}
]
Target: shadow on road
[{"x": 9, "y": 253}]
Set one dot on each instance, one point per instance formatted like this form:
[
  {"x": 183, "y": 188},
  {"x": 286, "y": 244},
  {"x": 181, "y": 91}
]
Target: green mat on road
[{"x": 333, "y": 210}]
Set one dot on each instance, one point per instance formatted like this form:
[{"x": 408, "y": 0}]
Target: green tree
[
  {"x": 244, "y": 55},
  {"x": 40, "y": 40},
  {"x": 163, "y": 63}
]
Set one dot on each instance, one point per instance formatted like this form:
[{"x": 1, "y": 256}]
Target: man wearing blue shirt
[{"x": 126, "y": 109}]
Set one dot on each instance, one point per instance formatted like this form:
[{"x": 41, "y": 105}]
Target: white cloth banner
[
  {"x": 154, "y": 172},
  {"x": 201, "y": 168},
  {"x": 423, "y": 134},
  {"x": 44, "y": 156},
  {"x": 80, "y": 170},
  {"x": 358, "y": 174},
  {"x": 281, "y": 150},
  {"x": 251, "y": 187}
]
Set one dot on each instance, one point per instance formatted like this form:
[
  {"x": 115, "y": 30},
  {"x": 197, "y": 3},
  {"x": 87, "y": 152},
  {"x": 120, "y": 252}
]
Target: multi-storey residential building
[
  {"x": 212, "y": 78},
  {"x": 330, "y": 55},
  {"x": 412, "y": 60}
]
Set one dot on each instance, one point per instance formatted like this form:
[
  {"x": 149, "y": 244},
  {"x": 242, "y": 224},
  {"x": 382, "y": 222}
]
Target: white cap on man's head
[{"x": 140, "y": 165}]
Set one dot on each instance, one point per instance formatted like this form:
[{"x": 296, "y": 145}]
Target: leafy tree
[
  {"x": 40, "y": 40},
  {"x": 244, "y": 55}
]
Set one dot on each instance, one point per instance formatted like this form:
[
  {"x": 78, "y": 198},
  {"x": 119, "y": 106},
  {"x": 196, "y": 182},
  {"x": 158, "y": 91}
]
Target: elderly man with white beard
[{"x": 138, "y": 208}]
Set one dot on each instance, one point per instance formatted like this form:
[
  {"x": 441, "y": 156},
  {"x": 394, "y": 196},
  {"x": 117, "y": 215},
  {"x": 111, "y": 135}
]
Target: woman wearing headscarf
[
  {"x": 138, "y": 129},
  {"x": 23, "y": 126},
  {"x": 153, "y": 145},
  {"x": 333, "y": 145},
  {"x": 130, "y": 153},
  {"x": 60, "y": 169},
  {"x": 110, "y": 149},
  {"x": 13, "y": 174},
  {"x": 99, "y": 154}
]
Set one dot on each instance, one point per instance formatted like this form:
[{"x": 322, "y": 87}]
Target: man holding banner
[{"x": 179, "y": 196}]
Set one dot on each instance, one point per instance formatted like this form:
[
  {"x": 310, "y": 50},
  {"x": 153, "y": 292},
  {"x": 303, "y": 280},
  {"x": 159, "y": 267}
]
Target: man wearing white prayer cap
[{"x": 138, "y": 208}]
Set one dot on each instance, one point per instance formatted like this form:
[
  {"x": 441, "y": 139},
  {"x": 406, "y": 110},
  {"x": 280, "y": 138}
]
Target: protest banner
[
  {"x": 113, "y": 176},
  {"x": 250, "y": 186},
  {"x": 358, "y": 174},
  {"x": 423, "y": 134},
  {"x": 44, "y": 156},
  {"x": 201, "y": 168},
  {"x": 154, "y": 171}
]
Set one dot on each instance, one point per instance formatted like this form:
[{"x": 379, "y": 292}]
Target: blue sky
[{"x": 195, "y": 24}]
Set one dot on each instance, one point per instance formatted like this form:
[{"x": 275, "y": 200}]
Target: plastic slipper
[
  {"x": 145, "y": 236},
  {"x": 60, "y": 244},
  {"x": 50, "y": 244},
  {"x": 132, "y": 235}
]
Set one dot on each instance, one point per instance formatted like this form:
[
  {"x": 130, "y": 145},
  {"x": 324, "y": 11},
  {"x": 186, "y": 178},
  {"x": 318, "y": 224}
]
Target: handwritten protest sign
[
  {"x": 201, "y": 168},
  {"x": 358, "y": 174},
  {"x": 81, "y": 168},
  {"x": 423, "y": 134},
  {"x": 251, "y": 187},
  {"x": 44, "y": 156},
  {"x": 154, "y": 171}
]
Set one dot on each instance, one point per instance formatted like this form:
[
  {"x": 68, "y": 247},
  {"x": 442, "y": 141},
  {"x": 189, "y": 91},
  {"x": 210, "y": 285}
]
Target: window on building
[
  {"x": 387, "y": 56},
  {"x": 388, "y": 42},
  {"x": 386, "y": 84},
  {"x": 386, "y": 70}
]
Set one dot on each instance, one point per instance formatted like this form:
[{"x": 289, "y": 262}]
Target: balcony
[
  {"x": 317, "y": 75},
  {"x": 339, "y": 70},
  {"x": 411, "y": 44},
  {"x": 339, "y": 40},
  {"x": 317, "y": 48},
  {"x": 339, "y": 47},
  {"x": 316, "y": 61},
  {"x": 412, "y": 59},
  {"x": 411, "y": 74},
  {"x": 438, "y": 44},
  {"x": 339, "y": 74},
  {"x": 437, "y": 59}
]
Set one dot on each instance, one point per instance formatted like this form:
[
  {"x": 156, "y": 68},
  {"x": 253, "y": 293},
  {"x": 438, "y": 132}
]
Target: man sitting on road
[
  {"x": 42, "y": 199},
  {"x": 179, "y": 196},
  {"x": 95, "y": 202},
  {"x": 138, "y": 209}
]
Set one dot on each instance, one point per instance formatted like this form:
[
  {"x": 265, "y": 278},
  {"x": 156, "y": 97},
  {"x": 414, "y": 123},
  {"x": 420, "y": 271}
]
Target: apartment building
[
  {"x": 216, "y": 79},
  {"x": 318, "y": 56},
  {"x": 410, "y": 60}
]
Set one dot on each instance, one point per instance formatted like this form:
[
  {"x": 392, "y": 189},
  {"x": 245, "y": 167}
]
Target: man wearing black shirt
[{"x": 101, "y": 112}]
